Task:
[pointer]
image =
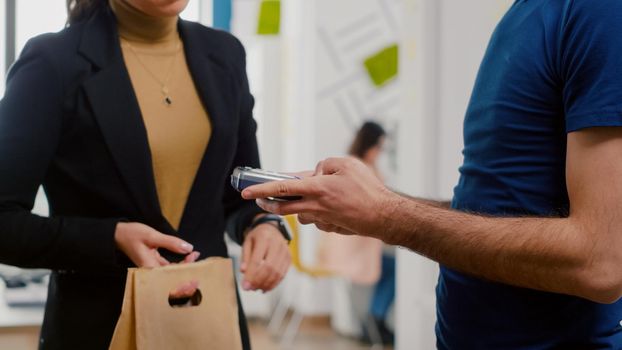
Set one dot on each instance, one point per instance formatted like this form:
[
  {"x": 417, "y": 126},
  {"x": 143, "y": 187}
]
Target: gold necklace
[{"x": 163, "y": 84}]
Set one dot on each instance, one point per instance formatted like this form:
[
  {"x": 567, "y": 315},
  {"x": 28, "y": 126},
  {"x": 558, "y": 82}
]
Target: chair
[{"x": 283, "y": 305}]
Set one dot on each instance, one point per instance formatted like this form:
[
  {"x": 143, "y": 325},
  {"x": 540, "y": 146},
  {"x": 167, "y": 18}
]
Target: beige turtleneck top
[{"x": 178, "y": 132}]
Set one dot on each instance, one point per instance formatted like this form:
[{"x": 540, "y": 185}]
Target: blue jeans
[{"x": 384, "y": 291}]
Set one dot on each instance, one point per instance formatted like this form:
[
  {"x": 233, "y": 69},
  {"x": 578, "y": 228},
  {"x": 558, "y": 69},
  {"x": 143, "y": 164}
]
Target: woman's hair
[
  {"x": 79, "y": 10},
  {"x": 367, "y": 137}
]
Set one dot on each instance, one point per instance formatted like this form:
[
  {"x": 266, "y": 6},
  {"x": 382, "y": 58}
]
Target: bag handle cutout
[{"x": 191, "y": 301}]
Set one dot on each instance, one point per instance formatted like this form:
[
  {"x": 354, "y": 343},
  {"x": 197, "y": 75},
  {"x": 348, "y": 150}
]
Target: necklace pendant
[{"x": 168, "y": 100}]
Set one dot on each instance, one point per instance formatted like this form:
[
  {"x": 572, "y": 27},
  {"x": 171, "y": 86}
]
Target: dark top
[
  {"x": 70, "y": 120},
  {"x": 552, "y": 67}
]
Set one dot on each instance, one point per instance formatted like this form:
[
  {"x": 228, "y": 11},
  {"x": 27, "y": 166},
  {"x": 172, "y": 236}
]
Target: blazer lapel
[
  {"x": 213, "y": 82},
  {"x": 118, "y": 115}
]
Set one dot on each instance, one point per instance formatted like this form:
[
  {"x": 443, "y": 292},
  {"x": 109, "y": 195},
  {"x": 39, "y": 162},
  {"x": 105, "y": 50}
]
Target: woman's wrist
[{"x": 275, "y": 221}]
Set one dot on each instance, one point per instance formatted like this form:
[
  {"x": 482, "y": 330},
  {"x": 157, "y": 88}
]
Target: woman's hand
[
  {"x": 265, "y": 258},
  {"x": 141, "y": 242}
]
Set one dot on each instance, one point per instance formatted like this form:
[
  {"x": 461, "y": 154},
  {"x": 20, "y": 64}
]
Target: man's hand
[
  {"x": 577, "y": 255},
  {"x": 265, "y": 258},
  {"x": 141, "y": 242},
  {"x": 342, "y": 196}
]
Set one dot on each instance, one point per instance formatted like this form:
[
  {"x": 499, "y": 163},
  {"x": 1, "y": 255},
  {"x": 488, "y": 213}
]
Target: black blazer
[{"x": 70, "y": 120}]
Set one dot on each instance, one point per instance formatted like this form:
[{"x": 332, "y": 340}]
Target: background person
[
  {"x": 132, "y": 120},
  {"x": 362, "y": 260}
]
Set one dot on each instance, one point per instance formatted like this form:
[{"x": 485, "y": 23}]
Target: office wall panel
[
  {"x": 3, "y": 23},
  {"x": 348, "y": 33},
  {"x": 34, "y": 17},
  {"x": 444, "y": 41}
]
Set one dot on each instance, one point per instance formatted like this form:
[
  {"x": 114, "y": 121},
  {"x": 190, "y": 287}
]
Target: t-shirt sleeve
[{"x": 591, "y": 63}]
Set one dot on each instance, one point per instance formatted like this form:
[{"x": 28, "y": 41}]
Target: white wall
[
  {"x": 465, "y": 28},
  {"x": 416, "y": 276},
  {"x": 2, "y": 45},
  {"x": 325, "y": 95},
  {"x": 346, "y": 33},
  {"x": 299, "y": 130},
  {"x": 444, "y": 42},
  {"x": 34, "y": 17}
]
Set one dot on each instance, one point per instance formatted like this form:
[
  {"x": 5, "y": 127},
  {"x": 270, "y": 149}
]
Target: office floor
[{"x": 314, "y": 334}]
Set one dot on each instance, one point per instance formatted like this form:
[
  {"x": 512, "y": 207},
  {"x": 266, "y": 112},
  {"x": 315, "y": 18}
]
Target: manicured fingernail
[
  {"x": 246, "y": 194},
  {"x": 246, "y": 285},
  {"x": 243, "y": 266},
  {"x": 187, "y": 247}
]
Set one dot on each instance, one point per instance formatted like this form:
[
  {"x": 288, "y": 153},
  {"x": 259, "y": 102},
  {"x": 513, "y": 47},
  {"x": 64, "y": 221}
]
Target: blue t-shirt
[{"x": 552, "y": 67}]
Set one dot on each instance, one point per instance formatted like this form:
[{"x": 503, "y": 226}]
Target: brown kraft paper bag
[{"x": 148, "y": 322}]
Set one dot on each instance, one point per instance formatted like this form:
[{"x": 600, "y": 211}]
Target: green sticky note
[
  {"x": 383, "y": 66},
  {"x": 269, "y": 17}
]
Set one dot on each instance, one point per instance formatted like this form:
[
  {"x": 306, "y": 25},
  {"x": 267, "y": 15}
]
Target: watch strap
[{"x": 281, "y": 225}]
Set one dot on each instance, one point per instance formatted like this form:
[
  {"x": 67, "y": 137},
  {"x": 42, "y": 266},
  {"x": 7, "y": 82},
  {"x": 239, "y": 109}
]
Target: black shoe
[{"x": 386, "y": 335}]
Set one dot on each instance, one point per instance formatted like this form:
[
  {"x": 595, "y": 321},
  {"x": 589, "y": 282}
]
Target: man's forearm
[
  {"x": 578, "y": 255},
  {"x": 540, "y": 253},
  {"x": 431, "y": 202}
]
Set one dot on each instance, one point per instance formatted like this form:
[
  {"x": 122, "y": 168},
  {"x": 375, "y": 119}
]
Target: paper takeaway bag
[{"x": 148, "y": 322}]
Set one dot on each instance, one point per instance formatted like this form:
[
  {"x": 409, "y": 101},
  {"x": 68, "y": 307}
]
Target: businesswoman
[{"x": 131, "y": 119}]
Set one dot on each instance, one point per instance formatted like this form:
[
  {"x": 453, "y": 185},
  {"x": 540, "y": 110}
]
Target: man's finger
[
  {"x": 335, "y": 165},
  {"x": 289, "y": 207},
  {"x": 172, "y": 243},
  {"x": 318, "y": 169},
  {"x": 283, "y": 188},
  {"x": 334, "y": 228},
  {"x": 327, "y": 227},
  {"x": 306, "y": 219},
  {"x": 303, "y": 174}
]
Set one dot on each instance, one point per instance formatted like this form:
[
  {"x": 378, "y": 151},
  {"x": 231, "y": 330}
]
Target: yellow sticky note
[
  {"x": 383, "y": 66},
  {"x": 269, "y": 17}
]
